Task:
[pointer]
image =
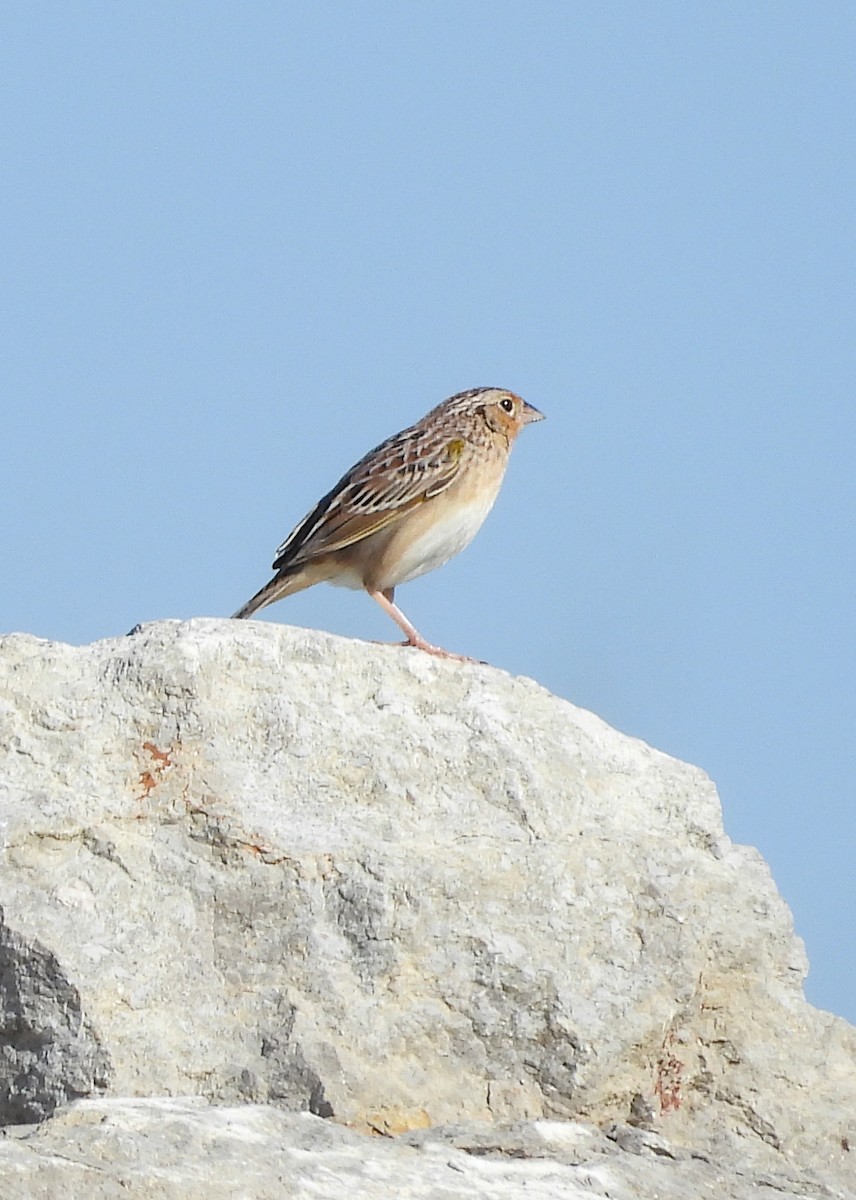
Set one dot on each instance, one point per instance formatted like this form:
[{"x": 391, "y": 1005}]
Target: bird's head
[
  {"x": 503, "y": 412},
  {"x": 507, "y": 413}
]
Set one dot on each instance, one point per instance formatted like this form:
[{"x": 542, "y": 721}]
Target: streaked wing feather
[{"x": 381, "y": 488}]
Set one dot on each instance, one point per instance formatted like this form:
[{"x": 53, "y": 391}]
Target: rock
[
  {"x": 184, "y": 1149},
  {"x": 269, "y": 867},
  {"x": 50, "y": 1052}
]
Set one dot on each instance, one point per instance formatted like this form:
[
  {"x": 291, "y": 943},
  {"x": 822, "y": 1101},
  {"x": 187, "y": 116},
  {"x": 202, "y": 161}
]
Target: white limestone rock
[
  {"x": 184, "y": 1149},
  {"x": 264, "y": 865}
]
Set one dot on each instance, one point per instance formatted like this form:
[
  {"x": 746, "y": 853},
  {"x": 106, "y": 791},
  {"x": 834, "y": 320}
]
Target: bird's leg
[{"x": 414, "y": 638}]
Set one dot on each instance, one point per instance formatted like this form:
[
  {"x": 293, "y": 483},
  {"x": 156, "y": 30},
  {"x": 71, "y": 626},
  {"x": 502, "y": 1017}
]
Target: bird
[{"x": 406, "y": 507}]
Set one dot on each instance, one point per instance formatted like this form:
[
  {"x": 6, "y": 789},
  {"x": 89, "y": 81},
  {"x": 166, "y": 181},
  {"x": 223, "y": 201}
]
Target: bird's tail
[{"x": 281, "y": 585}]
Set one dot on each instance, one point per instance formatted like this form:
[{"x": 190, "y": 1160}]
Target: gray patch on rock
[
  {"x": 49, "y": 1051},
  {"x": 516, "y": 1016}
]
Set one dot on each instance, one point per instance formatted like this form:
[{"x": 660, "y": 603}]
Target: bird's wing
[{"x": 397, "y": 476}]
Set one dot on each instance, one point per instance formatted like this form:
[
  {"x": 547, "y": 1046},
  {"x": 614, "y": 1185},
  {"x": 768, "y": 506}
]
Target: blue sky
[{"x": 244, "y": 242}]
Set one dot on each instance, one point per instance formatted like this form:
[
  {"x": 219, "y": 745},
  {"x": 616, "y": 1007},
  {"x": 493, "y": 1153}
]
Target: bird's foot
[
  {"x": 419, "y": 643},
  {"x": 435, "y": 651}
]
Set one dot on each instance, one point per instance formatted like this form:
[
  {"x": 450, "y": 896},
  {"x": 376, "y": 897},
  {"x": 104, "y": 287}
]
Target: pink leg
[{"x": 414, "y": 638}]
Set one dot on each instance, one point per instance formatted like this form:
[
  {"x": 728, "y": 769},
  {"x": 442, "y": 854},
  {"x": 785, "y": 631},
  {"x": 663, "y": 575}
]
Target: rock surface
[
  {"x": 278, "y": 871},
  {"x": 184, "y": 1149}
]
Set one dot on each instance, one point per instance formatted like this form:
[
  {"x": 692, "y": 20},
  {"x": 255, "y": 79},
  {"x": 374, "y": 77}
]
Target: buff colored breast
[{"x": 434, "y": 533}]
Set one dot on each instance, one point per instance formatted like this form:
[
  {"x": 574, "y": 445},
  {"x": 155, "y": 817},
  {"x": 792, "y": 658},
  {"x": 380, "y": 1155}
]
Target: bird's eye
[{"x": 507, "y": 404}]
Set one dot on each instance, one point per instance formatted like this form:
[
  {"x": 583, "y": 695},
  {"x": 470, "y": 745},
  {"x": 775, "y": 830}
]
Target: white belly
[{"x": 443, "y": 536}]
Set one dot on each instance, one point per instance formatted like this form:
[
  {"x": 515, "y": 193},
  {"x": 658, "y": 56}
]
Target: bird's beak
[{"x": 529, "y": 413}]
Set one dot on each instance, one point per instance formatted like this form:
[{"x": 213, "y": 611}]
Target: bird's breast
[{"x": 432, "y": 534}]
